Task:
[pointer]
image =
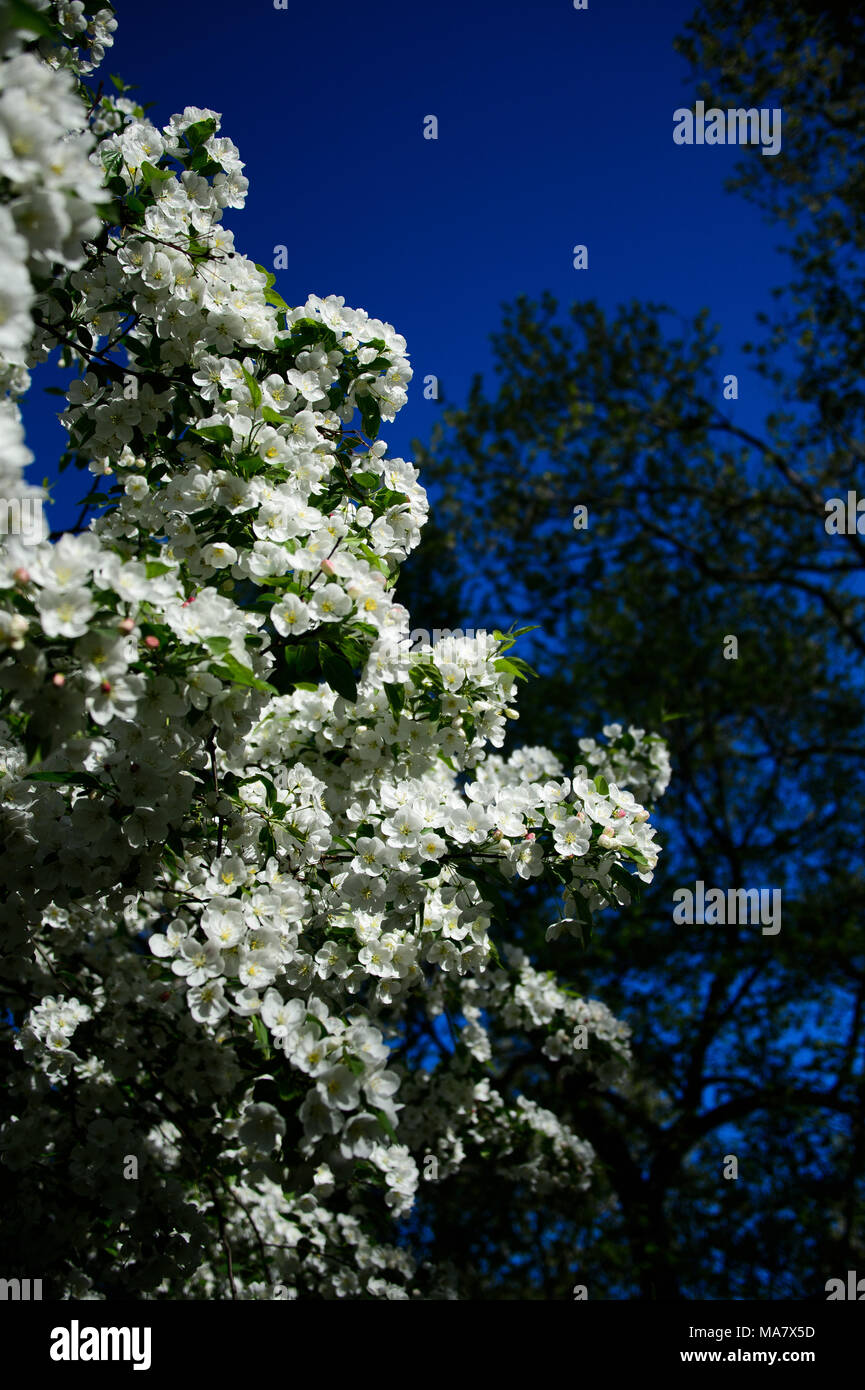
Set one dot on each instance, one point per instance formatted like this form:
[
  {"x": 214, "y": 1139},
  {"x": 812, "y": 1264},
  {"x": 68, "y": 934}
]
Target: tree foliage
[{"x": 700, "y": 530}]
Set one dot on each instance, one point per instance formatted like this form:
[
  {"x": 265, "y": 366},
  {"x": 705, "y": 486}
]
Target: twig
[{"x": 224, "y": 1239}]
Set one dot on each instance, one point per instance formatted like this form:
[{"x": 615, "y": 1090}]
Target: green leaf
[
  {"x": 19, "y": 15},
  {"x": 303, "y": 333},
  {"x": 67, "y": 778},
  {"x": 366, "y": 479},
  {"x": 219, "y": 434},
  {"x": 583, "y": 911},
  {"x": 112, "y": 162},
  {"x": 94, "y": 498},
  {"x": 395, "y": 698},
  {"x": 230, "y": 669},
  {"x": 509, "y": 666},
  {"x": 271, "y": 278},
  {"x": 518, "y": 667},
  {"x": 385, "y": 1123},
  {"x": 629, "y": 882},
  {"x": 201, "y": 163},
  {"x": 272, "y": 416},
  {"x": 248, "y": 465},
  {"x": 353, "y": 648},
  {"x": 254, "y": 388},
  {"x": 151, "y": 174},
  {"x": 370, "y": 415},
  {"x": 376, "y": 561},
  {"x": 602, "y": 785},
  {"x": 267, "y": 841},
  {"x": 418, "y": 675},
  {"x": 200, "y": 131},
  {"x": 300, "y": 663},
  {"x": 262, "y": 1038},
  {"x": 337, "y": 672},
  {"x": 633, "y": 854},
  {"x": 154, "y": 568}
]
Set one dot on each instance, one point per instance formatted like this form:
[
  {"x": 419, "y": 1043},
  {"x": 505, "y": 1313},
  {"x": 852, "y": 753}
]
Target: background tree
[{"x": 698, "y": 530}]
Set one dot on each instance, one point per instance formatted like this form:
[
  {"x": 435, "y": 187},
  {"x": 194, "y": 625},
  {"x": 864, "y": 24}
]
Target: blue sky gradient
[{"x": 555, "y": 128}]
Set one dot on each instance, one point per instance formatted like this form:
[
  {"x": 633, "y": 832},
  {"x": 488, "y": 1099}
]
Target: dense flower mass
[{"x": 244, "y": 848}]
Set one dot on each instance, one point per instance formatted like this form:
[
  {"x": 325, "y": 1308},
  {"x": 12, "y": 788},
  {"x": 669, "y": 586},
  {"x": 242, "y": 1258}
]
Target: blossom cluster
[
  {"x": 631, "y": 757},
  {"x": 254, "y": 849},
  {"x": 48, "y": 192},
  {"x": 49, "y": 184}
]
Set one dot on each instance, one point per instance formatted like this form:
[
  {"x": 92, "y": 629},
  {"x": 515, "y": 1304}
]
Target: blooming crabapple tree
[{"x": 251, "y": 849}]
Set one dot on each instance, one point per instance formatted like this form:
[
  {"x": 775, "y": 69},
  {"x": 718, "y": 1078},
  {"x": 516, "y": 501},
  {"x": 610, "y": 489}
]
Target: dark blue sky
[{"x": 555, "y": 128}]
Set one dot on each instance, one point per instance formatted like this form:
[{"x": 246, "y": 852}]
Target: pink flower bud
[
  {"x": 21, "y": 576},
  {"x": 531, "y": 835},
  {"x": 58, "y": 679},
  {"x": 327, "y": 566},
  {"x": 125, "y": 625},
  {"x": 152, "y": 643},
  {"x": 105, "y": 687}
]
